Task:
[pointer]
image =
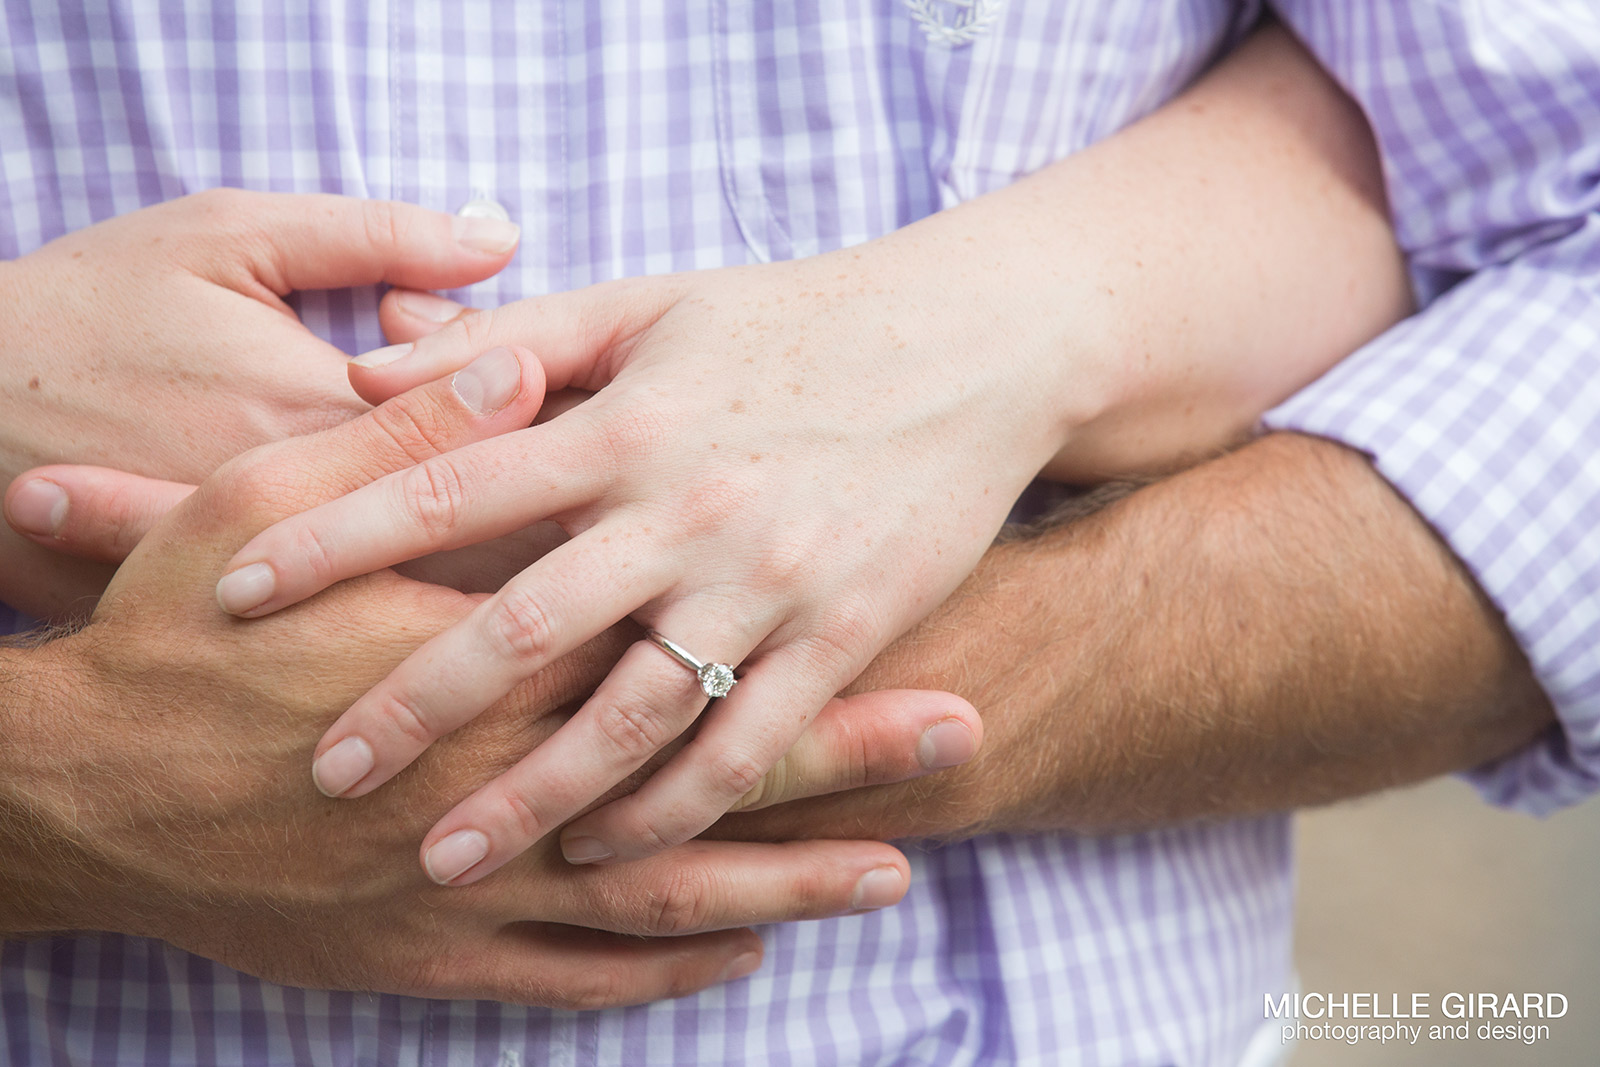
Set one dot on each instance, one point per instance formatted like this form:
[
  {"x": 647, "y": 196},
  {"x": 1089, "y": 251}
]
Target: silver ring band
[{"x": 716, "y": 679}]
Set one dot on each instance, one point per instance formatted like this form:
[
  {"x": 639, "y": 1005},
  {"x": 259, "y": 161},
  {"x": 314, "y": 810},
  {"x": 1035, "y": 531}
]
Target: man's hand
[
  {"x": 153, "y": 778},
  {"x": 1273, "y": 629},
  {"x": 159, "y": 342}
]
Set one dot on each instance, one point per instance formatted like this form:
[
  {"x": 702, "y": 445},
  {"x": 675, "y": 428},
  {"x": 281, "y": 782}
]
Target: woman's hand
[
  {"x": 787, "y": 465},
  {"x": 771, "y": 476},
  {"x": 158, "y": 342}
]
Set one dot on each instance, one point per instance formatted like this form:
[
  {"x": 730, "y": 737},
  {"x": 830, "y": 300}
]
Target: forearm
[
  {"x": 1272, "y": 629},
  {"x": 31, "y": 891},
  {"x": 1186, "y": 273}
]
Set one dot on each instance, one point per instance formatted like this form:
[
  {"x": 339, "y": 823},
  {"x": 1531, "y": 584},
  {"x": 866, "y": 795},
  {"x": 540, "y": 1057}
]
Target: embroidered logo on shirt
[{"x": 967, "y": 20}]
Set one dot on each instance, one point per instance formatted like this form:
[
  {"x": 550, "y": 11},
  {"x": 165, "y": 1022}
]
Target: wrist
[{"x": 989, "y": 292}]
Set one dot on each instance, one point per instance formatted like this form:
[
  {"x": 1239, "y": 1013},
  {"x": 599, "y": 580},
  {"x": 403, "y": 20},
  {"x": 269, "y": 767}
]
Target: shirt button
[{"x": 482, "y": 206}]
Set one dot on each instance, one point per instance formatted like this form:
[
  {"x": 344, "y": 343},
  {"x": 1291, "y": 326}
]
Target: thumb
[
  {"x": 319, "y": 241},
  {"x": 92, "y": 512},
  {"x": 874, "y": 738}
]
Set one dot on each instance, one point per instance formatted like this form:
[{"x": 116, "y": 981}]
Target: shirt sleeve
[{"x": 1484, "y": 409}]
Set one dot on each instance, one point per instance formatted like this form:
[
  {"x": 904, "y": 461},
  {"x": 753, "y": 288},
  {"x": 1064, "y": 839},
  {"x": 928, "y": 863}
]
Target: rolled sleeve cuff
[{"x": 1484, "y": 411}]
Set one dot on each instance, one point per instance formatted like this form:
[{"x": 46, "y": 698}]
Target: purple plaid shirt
[{"x": 633, "y": 138}]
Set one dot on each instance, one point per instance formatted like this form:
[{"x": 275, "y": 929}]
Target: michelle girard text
[{"x": 1352, "y": 1018}]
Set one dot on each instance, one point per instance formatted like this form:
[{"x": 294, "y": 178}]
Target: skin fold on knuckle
[
  {"x": 520, "y": 625},
  {"x": 416, "y": 425},
  {"x": 633, "y": 728},
  {"x": 435, "y": 498},
  {"x": 681, "y": 904}
]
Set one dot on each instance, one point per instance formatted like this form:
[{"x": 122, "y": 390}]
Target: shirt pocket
[{"x": 821, "y": 123}]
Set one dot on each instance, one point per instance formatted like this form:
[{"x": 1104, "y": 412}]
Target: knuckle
[
  {"x": 596, "y": 987},
  {"x": 774, "y": 788},
  {"x": 404, "y": 718},
  {"x": 520, "y": 816},
  {"x": 522, "y": 625},
  {"x": 473, "y": 333},
  {"x": 632, "y": 434},
  {"x": 415, "y": 424},
  {"x": 681, "y": 906},
  {"x": 712, "y": 504},
  {"x": 632, "y": 727},
  {"x": 308, "y": 547},
  {"x": 735, "y": 772},
  {"x": 435, "y": 497},
  {"x": 849, "y": 634},
  {"x": 385, "y": 229}
]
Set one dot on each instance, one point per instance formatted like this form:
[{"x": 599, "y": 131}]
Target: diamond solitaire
[{"x": 716, "y": 679}]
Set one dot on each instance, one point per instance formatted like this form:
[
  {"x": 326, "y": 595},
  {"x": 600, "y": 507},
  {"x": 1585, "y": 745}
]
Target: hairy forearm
[
  {"x": 1272, "y": 629},
  {"x": 31, "y": 694}
]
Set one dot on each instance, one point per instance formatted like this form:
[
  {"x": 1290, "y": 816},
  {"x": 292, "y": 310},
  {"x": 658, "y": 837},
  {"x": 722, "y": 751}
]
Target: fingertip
[
  {"x": 741, "y": 966},
  {"x": 881, "y": 887},
  {"x": 246, "y": 591},
  {"x": 36, "y": 507},
  {"x": 409, "y": 314},
  {"x": 459, "y": 858}
]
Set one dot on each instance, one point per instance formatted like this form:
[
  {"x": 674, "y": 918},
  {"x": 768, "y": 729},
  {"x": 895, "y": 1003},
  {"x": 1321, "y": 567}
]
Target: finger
[
  {"x": 454, "y": 498},
  {"x": 646, "y": 701},
  {"x": 318, "y": 241},
  {"x": 711, "y": 885},
  {"x": 557, "y": 604},
  {"x": 92, "y": 512},
  {"x": 499, "y": 392},
  {"x": 574, "y": 969},
  {"x": 739, "y": 742},
  {"x": 569, "y": 332},
  {"x": 407, "y": 314},
  {"x": 877, "y": 738}
]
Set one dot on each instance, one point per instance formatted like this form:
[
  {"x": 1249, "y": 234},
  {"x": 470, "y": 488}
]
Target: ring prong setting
[{"x": 716, "y": 680}]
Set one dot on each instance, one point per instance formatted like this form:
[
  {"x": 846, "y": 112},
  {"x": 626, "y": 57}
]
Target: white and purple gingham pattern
[
  {"x": 629, "y": 138},
  {"x": 1485, "y": 409}
]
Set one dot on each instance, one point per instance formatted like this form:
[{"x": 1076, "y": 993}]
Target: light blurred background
[{"x": 1430, "y": 890}]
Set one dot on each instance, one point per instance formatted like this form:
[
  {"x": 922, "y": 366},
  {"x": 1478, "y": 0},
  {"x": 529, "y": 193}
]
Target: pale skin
[
  {"x": 1084, "y": 784},
  {"x": 795, "y": 462},
  {"x": 135, "y": 827}
]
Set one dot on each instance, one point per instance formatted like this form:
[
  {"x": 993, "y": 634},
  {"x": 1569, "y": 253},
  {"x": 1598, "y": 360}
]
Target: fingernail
[
  {"x": 246, "y": 588},
  {"x": 382, "y": 357},
  {"x": 945, "y": 744},
  {"x": 38, "y": 507},
  {"x": 493, "y": 236},
  {"x": 581, "y": 850},
  {"x": 455, "y": 855},
  {"x": 741, "y": 966},
  {"x": 489, "y": 382},
  {"x": 878, "y": 888},
  {"x": 427, "y": 307},
  {"x": 342, "y": 766}
]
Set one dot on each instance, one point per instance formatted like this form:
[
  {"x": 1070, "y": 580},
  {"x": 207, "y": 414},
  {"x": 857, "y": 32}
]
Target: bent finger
[
  {"x": 714, "y": 885},
  {"x": 554, "y": 606},
  {"x": 876, "y": 738},
  {"x": 741, "y": 738},
  {"x": 498, "y": 393},
  {"x": 92, "y": 512},
  {"x": 323, "y": 241},
  {"x": 472, "y": 494},
  {"x": 643, "y": 705}
]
